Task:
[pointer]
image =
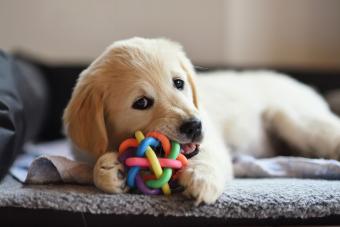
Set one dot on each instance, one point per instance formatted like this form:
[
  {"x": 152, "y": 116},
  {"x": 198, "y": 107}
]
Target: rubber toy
[{"x": 152, "y": 163}]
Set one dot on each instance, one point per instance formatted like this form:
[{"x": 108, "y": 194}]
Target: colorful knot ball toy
[{"x": 147, "y": 172}]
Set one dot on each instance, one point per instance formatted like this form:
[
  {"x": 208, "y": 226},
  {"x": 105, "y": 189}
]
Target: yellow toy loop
[{"x": 154, "y": 163}]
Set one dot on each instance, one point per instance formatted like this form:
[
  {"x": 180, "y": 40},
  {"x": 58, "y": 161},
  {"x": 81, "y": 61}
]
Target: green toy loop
[
  {"x": 175, "y": 149},
  {"x": 167, "y": 172},
  {"x": 163, "y": 179}
]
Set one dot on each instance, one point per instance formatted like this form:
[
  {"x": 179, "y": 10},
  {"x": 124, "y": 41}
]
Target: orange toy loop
[
  {"x": 182, "y": 159},
  {"x": 132, "y": 142},
  {"x": 149, "y": 177},
  {"x": 167, "y": 146},
  {"x": 163, "y": 139}
]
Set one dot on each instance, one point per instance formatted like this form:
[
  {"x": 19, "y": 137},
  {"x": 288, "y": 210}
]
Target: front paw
[
  {"x": 109, "y": 175},
  {"x": 202, "y": 182}
]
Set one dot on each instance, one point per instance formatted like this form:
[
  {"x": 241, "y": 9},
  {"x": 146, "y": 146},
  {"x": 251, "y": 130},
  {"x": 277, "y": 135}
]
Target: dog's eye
[
  {"x": 143, "y": 103},
  {"x": 179, "y": 84}
]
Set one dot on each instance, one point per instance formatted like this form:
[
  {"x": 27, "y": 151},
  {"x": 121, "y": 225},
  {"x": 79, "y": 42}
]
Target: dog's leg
[
  {"x": 208, "y": 172},
  {"x": 108, "y": 174},
  {"x": 313, "y": 133}
]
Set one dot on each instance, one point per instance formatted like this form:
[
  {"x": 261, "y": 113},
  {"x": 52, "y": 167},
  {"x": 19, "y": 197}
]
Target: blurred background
[
  {"x": 297, "y": 37},
  {"x": 241, "y": 33}
]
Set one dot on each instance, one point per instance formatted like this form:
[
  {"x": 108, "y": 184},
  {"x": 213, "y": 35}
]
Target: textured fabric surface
[
  {"x": 244, "y": 198},
  {"x": 52, "y": 162},
  {"x": 58, "y": 169}
]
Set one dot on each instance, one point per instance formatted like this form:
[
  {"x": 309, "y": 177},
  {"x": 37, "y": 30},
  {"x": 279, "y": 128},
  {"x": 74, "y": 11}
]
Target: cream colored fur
[{"x": 236, "y": 108}]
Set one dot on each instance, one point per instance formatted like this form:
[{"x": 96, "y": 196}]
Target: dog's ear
[
  {"x": 84, "y": 118},
  {"x": 190, "y": 71},
  {"x": 187, "y": 67},
  {"x": 193, "y": 89}
]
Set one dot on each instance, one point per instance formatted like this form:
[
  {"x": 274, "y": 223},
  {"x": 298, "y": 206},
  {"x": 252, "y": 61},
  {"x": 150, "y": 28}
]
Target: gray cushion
[{"x": 244, "y": 198}]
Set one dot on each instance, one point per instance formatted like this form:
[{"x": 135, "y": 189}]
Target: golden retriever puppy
[{"x": 150, "y": 84}]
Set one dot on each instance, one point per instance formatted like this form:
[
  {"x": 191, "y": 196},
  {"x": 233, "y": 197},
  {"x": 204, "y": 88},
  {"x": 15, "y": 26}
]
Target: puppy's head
[{"x": 136, "y": 84}]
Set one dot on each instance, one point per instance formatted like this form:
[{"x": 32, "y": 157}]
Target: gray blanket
[
  {"x": 56, "y": 169},
  {"x": 53, "y": 168}
]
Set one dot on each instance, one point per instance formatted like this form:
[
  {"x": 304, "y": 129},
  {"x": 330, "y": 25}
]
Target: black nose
[{"x": 191, "y": 128}]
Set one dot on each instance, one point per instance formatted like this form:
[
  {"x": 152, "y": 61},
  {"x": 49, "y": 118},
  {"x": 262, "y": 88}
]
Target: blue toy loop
[{"x": 131, "y": 177}]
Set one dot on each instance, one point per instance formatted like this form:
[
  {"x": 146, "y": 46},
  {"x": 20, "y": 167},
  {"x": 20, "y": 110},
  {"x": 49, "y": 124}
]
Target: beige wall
[
  {"x": 283, "y": 33},
  {"x": 80, "y": 29},
  {"x": 300, "y": 33}
]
